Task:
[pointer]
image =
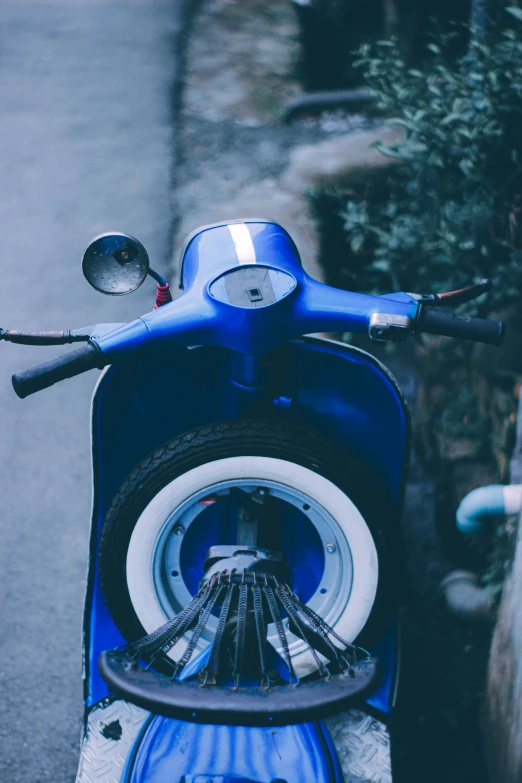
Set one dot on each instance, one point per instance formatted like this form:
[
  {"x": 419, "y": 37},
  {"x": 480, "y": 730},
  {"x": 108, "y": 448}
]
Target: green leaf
[
  {"x": 384, "y": 149},
  {"x": 492, "y": 129},
  {"x": 415, "y": 147},
  {"x": 450, "y": 118},
  {"x": 436, "y": 160},
  {"x": 381, "y": 266},
  {"x": 393, "y": 121},
  {"x": 466, "y": 166},
  {"x": 356, "y": 242},
  {"x": 493, "y": 78},
  {"x": 433, "y": 48},
  {"x": 384, "y": 235},
  {"x": 516, "y": 12}
]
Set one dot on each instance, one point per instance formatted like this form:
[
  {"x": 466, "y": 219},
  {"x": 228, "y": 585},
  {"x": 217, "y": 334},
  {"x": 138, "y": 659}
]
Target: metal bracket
[{"x": 389, "y": 328}]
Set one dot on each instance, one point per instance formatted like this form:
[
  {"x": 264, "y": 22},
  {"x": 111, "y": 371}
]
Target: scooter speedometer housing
[
  {"x": 252, "y": 286},
  {"x": 218, "y": 248}
]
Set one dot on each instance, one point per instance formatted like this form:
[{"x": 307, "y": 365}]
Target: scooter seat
[{"x": 244, "y": 706}]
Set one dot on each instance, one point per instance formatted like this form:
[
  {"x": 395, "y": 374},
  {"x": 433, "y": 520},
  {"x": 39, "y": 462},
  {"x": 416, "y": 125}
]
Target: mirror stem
[
  {"x": 163, "y": 295},
  {"x": 158, "y": 278}
]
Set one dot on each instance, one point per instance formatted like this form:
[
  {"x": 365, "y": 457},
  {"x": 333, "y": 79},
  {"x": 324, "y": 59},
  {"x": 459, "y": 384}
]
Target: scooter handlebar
[
  {"x": 461, "y": 326},
  {"x": 88, "y": 357},
  {"x": 329, "y": 310}
]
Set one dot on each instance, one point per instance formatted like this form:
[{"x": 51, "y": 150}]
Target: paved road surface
[{"x": 86, "y": 146}]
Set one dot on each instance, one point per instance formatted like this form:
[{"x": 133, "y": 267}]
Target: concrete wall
[{"x": 503, "y": 709}]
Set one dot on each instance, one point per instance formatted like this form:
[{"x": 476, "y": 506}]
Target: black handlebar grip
[
  {"x": 88, "y": 357},
  {"x": 461, "y": 326}
]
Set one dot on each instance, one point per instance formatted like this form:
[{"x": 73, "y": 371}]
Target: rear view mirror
[{"x": 115, "y": 264}]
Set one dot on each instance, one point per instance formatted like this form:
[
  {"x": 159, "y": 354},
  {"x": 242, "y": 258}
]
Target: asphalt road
[{"x": 86, "y": 146}]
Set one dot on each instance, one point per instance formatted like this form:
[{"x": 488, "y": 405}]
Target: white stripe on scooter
[{"x": 245, "y": 250}]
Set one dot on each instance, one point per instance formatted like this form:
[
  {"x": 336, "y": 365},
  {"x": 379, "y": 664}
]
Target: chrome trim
[{"x": 388, "y": 327}]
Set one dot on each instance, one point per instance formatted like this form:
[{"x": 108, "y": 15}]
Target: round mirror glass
[{"x": 115, "y": 264}]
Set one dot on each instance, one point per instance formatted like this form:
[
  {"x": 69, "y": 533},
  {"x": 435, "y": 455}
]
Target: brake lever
[
  {"x": 454, "y": 298},
  {"x": 57, "y": 338}
]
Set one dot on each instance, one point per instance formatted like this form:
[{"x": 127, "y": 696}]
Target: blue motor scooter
[{"x": 245, "y": 558}]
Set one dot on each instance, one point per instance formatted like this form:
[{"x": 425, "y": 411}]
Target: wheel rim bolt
[
  {"x": 330, "y": 548},
  {"x": 179, "y": 530}
]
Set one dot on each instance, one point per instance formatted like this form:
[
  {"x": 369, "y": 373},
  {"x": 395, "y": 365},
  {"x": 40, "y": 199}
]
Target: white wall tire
[{"x": 352, "y": 529}]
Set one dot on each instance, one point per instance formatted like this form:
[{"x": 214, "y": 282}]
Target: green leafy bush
[{"x": 451, "y": 214}]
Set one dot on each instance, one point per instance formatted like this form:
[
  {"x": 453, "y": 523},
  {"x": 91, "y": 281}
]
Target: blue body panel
[
  {"x": 169, "y": 749},
  {"x": 198, "y": 318}
]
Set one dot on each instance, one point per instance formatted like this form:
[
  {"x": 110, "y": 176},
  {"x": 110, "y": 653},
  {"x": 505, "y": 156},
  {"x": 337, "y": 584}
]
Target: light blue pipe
[{"x": 482, "y": 504}]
